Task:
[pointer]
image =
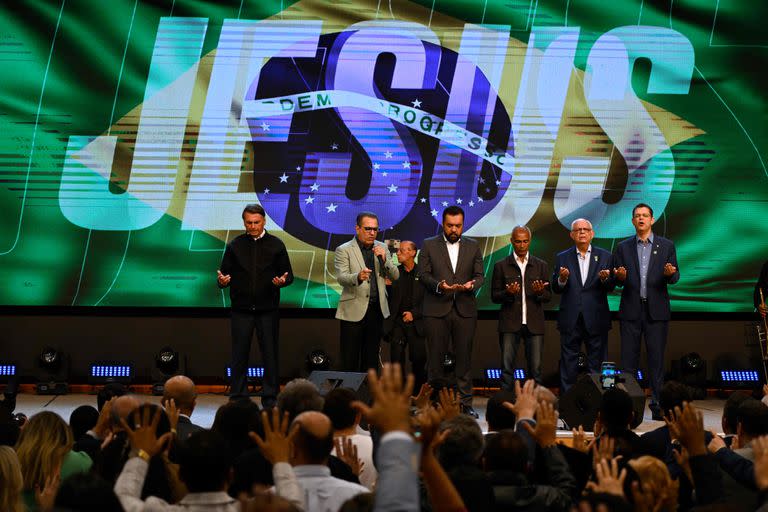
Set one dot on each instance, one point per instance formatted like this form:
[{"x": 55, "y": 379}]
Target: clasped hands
[{"x": 537, "y": 286}]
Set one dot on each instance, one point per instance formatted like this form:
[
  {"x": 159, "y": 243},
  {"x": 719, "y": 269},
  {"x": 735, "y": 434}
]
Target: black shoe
[{"x": 469, "y": 411}]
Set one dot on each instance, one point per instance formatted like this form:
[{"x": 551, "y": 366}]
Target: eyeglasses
[{"x": 369, "y": 229}]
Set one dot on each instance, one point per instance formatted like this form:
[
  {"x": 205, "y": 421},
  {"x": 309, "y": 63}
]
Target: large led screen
[{"x": 132, "y": 133}]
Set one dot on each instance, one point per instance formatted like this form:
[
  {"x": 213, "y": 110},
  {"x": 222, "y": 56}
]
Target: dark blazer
[
  {"x": 435, "y": 266},
  {"x": 590, "y": 299},
  {"x": 511, "y": 314},
  {"x": 663, "y": 252},
  {"x": 186, "y": 428},
  {"x": 395, "y": 295},
  {"x": 252, "y": 265}
]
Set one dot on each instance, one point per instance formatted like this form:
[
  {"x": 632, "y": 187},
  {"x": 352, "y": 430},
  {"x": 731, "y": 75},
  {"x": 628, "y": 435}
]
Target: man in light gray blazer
[{"x": 362, "y": 265}]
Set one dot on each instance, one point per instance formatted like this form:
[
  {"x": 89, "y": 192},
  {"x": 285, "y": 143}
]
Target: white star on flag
[
  {"x": 334, "y": 146},
  {"x": 445, "y": 203},
  {"x": 298, "y": 168},
  {"x": 314, "y": 187},
  {"x": 498, "y": 182},
  {"x": 482, "y": 180},
  {"x": 331, "y": 208},
  {"x": 392, "y": 188},
  {"x": 265, "y": 126},
  {"x": 471, "y": 203},
  {"x": 434, "y": 213},
  {"x": 406, "y": 165},
  {"x": 479, "y": 199},
  {"x": 423, "y": 199},
  {"x": 376, "y": 166},
  {"x": 266, "y": 191},
  {"x": 458, "y": 201},
  {"x": 388, "y": 154},
  {"x": 384, "y": 174},
  {"x": 416, "y": 103},
  {"x": 284, "y": 178},
  {"x": 309, "y": 200}
]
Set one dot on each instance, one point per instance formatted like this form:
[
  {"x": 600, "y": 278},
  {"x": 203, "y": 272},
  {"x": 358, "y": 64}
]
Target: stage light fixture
[
  {"x": 493, "y": 374},
  {"x": 317, "y": 360},
  {"x": 8, "y": 371},
  {"x": 737, "y": 370},
  {"x": 102, "y": 372},
  {"x": 168, "y": 362},
  {"x": 53, "y": 371},
  {"x": 748, "y": 378}
]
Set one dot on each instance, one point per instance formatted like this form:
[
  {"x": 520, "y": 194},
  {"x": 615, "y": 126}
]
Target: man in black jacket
[
  {"x": 255, "y": 266},
  {"x": 404, "y": 327},
  {"x": 520, "y": 284}
]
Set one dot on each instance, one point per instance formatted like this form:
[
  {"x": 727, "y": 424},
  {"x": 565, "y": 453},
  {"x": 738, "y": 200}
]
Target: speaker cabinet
[{"x": 579, "y": 406}]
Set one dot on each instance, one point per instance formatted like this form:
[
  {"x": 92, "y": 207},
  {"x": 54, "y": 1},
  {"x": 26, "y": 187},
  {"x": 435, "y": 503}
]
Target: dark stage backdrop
[{"x": 132, "y": 133}]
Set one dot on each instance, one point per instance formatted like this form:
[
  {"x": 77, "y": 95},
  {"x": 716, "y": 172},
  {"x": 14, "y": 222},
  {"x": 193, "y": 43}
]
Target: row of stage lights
[{"x": 53, "y": 371}]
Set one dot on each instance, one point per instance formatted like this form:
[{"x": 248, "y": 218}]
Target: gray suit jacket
[{"x": 353, "y": 302}]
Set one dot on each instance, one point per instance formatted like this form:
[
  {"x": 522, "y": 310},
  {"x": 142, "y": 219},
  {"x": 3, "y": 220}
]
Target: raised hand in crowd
[
  {"x": 580, "y": 442},
  {"x": 45, "y": 497},
  {"x": 143, "y": 437},
  {"x": 760, "y": 451},
  {"x": 545, "y": 431},
  {"x": 442, "y": 493},
  {"x": 391, "y": 400},
  {"x": 687, "y": 426},
  {"x": 173, "y": 414},
  {"x": 423, "y": 399},
  {"x": 449, "y": 403},
  {"x": 682, "y": 457},
  {"x": 347, "y": 452},
  {"x": 276, "y": 444},
  {"x": 525, "y": 400},
  {"x": 609, "y": 479},
  {"x": 104, "y": 423},
  {"x": 602, "y": 450}
]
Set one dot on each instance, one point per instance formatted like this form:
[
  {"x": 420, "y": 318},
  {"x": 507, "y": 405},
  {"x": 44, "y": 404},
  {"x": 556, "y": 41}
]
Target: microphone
[{"x": 382, "y": 262}]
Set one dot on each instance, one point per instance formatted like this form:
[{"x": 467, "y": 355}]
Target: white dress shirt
[
  {"x": 322, "y": 492},
  {"x": 584, "y": 263},
  {"x": 522, "y": 264},
  {"x": 453, "y": 252}
]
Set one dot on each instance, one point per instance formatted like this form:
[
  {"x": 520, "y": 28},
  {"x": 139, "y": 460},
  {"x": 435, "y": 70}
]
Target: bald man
[
  {"x": 312, "y": 445},
  {"x": 404, "y": 327},
  {"x": 182, "y": 390}
]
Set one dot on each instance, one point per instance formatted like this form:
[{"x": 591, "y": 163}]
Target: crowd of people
[{"x": 309, "y": 453}]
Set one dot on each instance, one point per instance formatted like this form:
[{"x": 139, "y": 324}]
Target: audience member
[
  {"x": 345, "y": 421},
  {"x": 298, "y": 396},
  {"x": 182, "y": 391},
  {"x": 108, "y": 392},
  {"x": 499, "y": 417},
  {"x": 82, "y": 420},
  {"x": 45, "y": 453},
  {"x": 312, "y": 445},
  {"x": 87, "y": 492},
  {"x": 11, "y": 481},
  {"x": 654, "y": 478}
]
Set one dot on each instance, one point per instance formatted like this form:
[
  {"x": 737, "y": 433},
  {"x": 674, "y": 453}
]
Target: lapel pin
[{"x": 595, "y": 258}]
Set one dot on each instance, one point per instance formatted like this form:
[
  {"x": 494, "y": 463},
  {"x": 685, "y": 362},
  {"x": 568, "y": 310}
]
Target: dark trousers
[
  {"x": 359, "y": 341},
  {"x": 655, "y": 333},
  {"x": 509, "y": 343},
  {"x": 570, "y": 345},
  {"x": 266, "y": 324},
  {"x": 458, "y": 331},
  {"x": 404, "y": 338}
]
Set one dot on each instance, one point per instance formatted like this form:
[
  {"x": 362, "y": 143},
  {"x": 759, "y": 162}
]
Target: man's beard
[{"x": 453, "y": 238}]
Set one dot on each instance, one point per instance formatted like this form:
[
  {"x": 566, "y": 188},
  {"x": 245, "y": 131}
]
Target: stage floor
[{"x": 208, "y": 403}]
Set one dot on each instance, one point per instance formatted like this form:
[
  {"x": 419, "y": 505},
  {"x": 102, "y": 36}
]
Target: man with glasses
[
  {"x": 645, "y": 265},
  {"x": 362, "y": 267},
  {"x": 582, "y": 275}
]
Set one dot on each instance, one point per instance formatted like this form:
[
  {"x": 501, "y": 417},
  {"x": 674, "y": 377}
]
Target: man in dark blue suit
[
  {"x": 645, "y": 265},
  {"x": 582, "y": 275}
]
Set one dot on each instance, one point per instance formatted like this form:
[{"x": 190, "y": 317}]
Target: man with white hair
[{"x": 582, "y": 275}]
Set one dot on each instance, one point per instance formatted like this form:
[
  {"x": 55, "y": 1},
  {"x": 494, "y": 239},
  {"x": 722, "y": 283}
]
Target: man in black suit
[
  {"x": 520, "y": 284},
  {"x": 181, "y": 390},
  {"x": 255, "y": 266},
  {"x": 645, "y": 265},
  {"x": 451, "y": 272},
  {"x": 582, "y": 275},
  {"x": 404, "y": 327}
]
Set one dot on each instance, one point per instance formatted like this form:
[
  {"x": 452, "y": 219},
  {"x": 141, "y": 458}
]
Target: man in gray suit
[
  {"x": 362, "y": 266},
  {"x": 451, "y": 271}
]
